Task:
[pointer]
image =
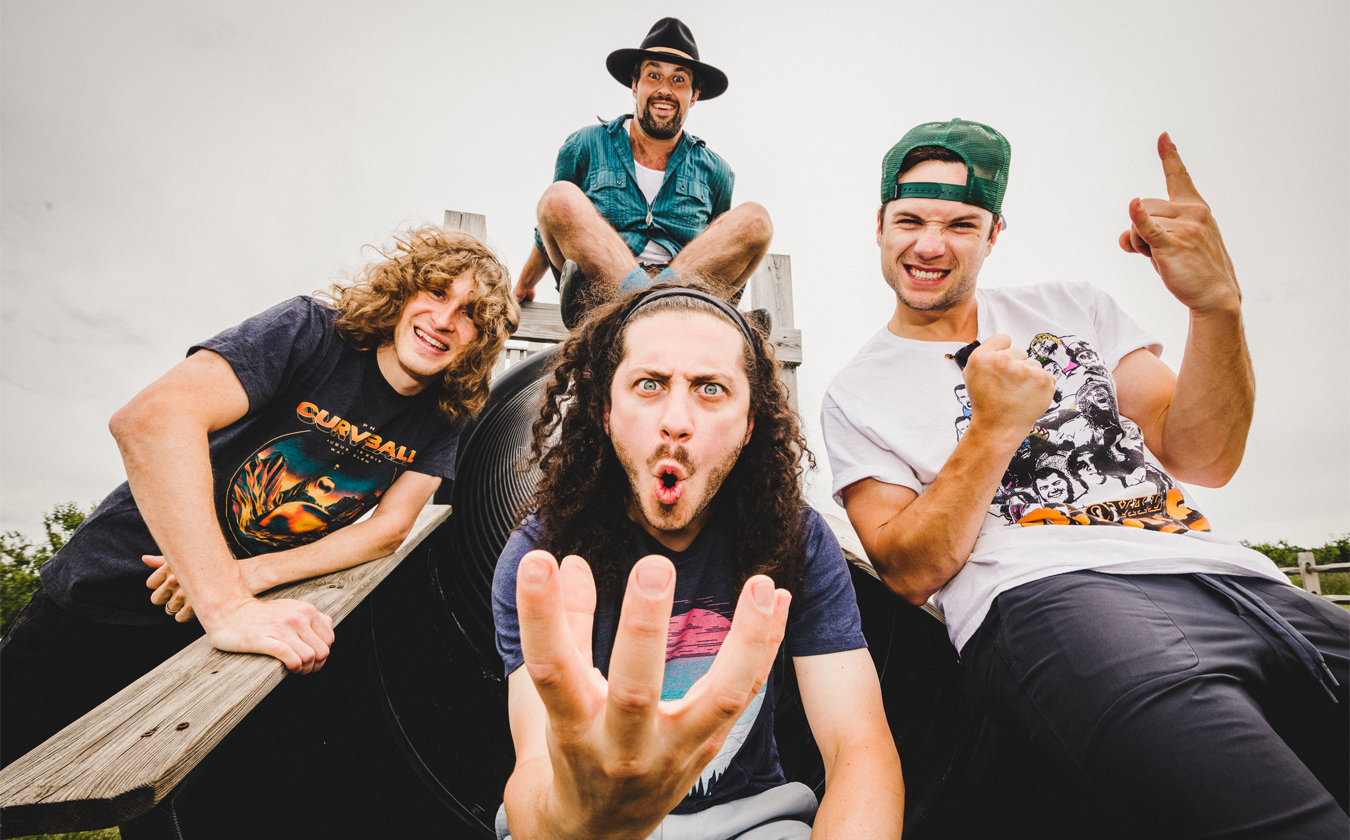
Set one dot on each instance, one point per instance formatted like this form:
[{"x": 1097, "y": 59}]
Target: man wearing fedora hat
[{"x": 637, "y": 197}]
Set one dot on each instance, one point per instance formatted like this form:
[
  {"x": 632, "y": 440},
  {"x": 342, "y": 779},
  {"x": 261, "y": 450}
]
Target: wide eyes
[
  {"x": 703, "y": 389},
  {"x": 677, "y": 79}
]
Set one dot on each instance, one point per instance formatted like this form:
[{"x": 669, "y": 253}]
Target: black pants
[
  {"x": 55, "y": 667},
  {"x": 1186, "y": 715}
]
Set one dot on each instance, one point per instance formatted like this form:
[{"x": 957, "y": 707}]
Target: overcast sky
[{"x": 170, "y": 168}]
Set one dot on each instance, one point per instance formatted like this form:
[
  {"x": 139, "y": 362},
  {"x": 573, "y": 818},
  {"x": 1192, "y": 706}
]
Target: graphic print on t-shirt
[
  {"x": 1084, "y": 464},
  {"x": 692, "y": 640},
  {"x": 299, "y": 487}
]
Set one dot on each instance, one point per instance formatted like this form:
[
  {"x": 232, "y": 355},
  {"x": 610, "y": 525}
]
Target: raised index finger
[{"x": 1179, "y": 184}]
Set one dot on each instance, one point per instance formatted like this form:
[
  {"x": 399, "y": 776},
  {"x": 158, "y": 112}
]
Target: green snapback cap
[{"x": 985, "y": 151}]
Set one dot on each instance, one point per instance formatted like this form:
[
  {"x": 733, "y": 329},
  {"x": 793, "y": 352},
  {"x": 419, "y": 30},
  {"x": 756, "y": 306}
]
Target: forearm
[
  {"x": 1204, "y": 434},
  {"x": 168, "y": 467},
  {"x": 536, "y": 264},
  {"x": 527, "y": 801},
  {"x": 864, "y": 795},
  {"x": 342, "y": 549},
  {"x": 924, "y": 545}
]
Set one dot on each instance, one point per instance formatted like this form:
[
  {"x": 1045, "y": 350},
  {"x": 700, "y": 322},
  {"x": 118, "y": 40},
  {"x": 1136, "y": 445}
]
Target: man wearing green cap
[
  {"x": 1180, "y": 675},
  {"x": 637, "y": 197}
]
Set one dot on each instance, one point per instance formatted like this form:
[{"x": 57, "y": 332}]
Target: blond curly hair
[{"x": 369, "y": 308}]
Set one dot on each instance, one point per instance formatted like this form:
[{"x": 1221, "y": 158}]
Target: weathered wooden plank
[
  {"x": 771, "y": 289},
  {"x": 540, "y": 322},
  {"x": 118, "y": 761},
  {"x": 473, "y": 224},
  {"x": 787, "y": 345}
]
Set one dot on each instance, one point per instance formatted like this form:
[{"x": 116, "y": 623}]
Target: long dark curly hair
[
  {"x": 369, "y": 308},
  {"x": 582, "y": 498}
]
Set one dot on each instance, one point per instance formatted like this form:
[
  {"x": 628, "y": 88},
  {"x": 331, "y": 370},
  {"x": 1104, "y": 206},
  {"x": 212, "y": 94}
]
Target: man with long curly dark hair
[
  {"x": 670, "y": 457},
  {"x": 249, "y": 465}
]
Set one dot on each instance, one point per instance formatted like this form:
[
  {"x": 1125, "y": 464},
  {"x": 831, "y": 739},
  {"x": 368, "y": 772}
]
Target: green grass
[{"x": 101, "y": 834}]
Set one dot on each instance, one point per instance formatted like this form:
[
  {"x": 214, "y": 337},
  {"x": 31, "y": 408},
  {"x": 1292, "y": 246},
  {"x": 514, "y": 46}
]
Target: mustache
[{"x": 665, "y": 451}]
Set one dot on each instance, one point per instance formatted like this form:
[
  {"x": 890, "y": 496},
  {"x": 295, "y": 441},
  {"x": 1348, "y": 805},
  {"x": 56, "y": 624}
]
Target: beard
[
  {"x": 672, "y": 517},
  {"x": 661, "y": 129}
]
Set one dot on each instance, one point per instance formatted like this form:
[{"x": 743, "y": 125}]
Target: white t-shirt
[
  {"x": 650, "y": 181},
  {"x": 1083, "y": 491}
]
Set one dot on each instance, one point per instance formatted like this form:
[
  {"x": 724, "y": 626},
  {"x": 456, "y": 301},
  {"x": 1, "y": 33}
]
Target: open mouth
[
  {"x": 927, "y": 275},
  {"x": 431, "y": 342},
  {"x": 669, "y": 484}
]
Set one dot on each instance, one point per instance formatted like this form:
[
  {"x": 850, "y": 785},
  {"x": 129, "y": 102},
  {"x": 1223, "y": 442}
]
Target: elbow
[
  {"x": 392, "y": 539},
  {"x": 127, "y": 424},
  {"x": 391, "y": 542},
  {"x": 914, "y": 591},
  {"x": 916, "y": 597},
  {"x": 1214, "y": 476},
  {"x": 1213, "y": 473}
]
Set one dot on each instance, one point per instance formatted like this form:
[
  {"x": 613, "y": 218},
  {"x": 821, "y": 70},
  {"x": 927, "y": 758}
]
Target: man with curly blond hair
[
  {"x": 249, "y": 465},
  {"x": 679, "y": 471}
]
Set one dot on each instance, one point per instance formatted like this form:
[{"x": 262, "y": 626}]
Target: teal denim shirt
[{"x": 696, "y": 190}]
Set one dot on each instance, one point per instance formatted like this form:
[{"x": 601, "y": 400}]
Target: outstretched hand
[
  {"x": 294, "y": 632},
  {"x": 1182, "y": 239},
  {"x": 621, "y": 757}
]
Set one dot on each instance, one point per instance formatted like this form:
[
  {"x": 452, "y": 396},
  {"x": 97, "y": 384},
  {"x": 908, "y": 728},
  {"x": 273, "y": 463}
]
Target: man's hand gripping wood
[{"x": 613, "y": 759}]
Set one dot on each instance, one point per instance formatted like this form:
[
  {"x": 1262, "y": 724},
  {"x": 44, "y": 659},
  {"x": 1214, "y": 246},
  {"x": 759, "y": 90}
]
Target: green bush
[
  {"x": 1336, "y": 551},
  {"x": 20, "y": 559}
]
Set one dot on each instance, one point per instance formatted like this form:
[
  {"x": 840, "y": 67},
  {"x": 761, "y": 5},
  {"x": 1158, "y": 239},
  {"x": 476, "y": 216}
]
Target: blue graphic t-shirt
[
  {"x": 324, "y": 437},
  {"x": 823, "y": 619}
]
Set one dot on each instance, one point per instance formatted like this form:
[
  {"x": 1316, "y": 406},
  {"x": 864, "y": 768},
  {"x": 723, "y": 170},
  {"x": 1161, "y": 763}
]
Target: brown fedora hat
[{"x": 670, "y": 41}]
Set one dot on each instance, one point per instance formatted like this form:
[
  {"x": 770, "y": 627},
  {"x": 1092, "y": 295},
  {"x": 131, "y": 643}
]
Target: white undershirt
[{"x": 650, "y": 181}]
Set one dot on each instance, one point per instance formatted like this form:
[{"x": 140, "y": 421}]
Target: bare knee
[
  {"x": 753, "y": 224},
  {"x": 561, "y": 204}
]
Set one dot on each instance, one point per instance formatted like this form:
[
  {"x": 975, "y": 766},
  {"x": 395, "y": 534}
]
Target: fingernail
[
  {"x": 763, "y": 593},
  {"x": 534, "y": 571},
  {"x": 653, "y": 578}
]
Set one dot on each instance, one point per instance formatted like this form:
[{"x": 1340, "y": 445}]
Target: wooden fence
[{"x": 1307, "y": 569}]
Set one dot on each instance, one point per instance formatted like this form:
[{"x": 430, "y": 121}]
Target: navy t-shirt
[
  {"x": 324, "y": 437},
  {"x": 823, "y": 619}
]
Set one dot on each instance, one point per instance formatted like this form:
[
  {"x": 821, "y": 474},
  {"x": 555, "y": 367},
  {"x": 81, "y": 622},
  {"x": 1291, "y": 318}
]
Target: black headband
[{"x": 643, "y": 298}]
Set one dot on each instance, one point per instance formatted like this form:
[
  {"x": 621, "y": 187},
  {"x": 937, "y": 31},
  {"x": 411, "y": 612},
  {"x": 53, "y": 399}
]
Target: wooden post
[
  {"x": 771, "y": 289},
  {"x": 118, "y": 761},
  {"x": 1306, "y": 570},
  {"x": 474, "y": 224}
]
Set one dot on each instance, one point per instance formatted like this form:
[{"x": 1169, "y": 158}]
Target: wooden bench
[{"x": 118, "y": 761}]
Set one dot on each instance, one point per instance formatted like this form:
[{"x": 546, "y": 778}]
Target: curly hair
[
  {"x": 426, "y": 258},
  {"x": 582, "y": 497}
]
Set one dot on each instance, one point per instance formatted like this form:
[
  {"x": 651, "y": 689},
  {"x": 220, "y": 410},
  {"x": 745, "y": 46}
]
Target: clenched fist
[{"x": 1008, "y": 392}]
